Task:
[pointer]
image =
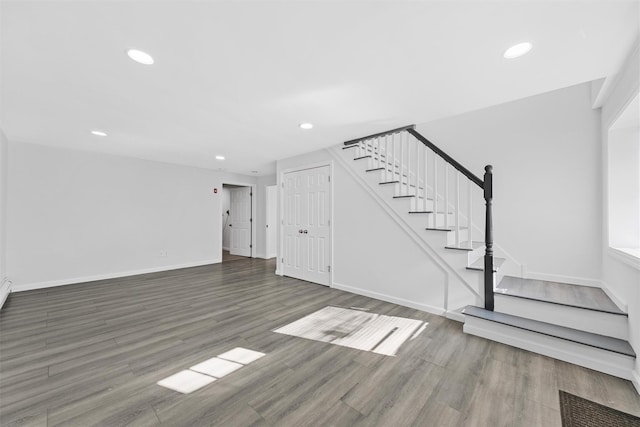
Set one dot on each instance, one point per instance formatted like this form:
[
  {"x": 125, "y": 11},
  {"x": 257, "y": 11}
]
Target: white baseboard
[
  {"x": 388, "y": 298},
  {"x": 5, "y": 290},
  {"x": 614, "y": 297},
  {"x": 454, "y": 315},
  {"x": 572, "y": 280},
  {"x": 635, "y": 379},
  {"x": 225, "y": 248},
  {"x": 75, "y": 280},
  {"x": 594, "y": 283}
]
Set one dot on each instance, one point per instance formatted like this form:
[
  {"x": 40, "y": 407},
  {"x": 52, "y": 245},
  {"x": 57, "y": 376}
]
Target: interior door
[
  {"x": 240, "y": 221},
  {"x": 307, "y": 208},
  {"x": 316, "y": 231},
  {"x": 294, "y": 194}
]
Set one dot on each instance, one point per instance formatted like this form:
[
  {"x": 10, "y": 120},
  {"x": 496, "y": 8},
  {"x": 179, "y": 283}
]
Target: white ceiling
[{"x": 236, "y": 78}]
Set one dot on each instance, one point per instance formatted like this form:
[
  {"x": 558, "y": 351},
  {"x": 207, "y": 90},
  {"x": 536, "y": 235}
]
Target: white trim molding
[
  {"x": 594, "y": 283},
  {"x": 625, "y": 257},
  {"x": 5, "y": 290},
  {"x": 76, "y": 280},
  {"x": 635, "y": 379},
  {"x": 388, "y": 298},
  {"x": 573, "y": 280}
]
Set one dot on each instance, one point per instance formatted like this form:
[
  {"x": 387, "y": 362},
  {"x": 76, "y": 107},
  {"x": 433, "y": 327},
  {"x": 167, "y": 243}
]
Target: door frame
[
  {"x": 280, "y": 213},
  {"x": 254, "y": 213},
  {"x": 274, "y": 225}
]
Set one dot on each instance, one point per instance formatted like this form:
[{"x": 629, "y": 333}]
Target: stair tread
[
  {"x": 362, "y": 157},
  {"x": 464, "y": 246},
  {"x": 574, "y": 335},
  {"x": 388, "y": 182},
  {"x": 479, "y": 264},
  {"x": 444, "y": 229},
  {"x": 426, "y": 212},
  {"x": 586, "y": 297}
]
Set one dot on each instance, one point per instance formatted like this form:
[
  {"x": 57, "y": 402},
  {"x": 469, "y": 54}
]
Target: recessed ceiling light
[
  {"x": 254, "y": 171},
  {"x": 140, "y": 56},
  {"x": 98, "y": 133},
  {"x": 306, "y": 126},
  {"x": 517, "y": 50},
  {"x": 219, "y": 157}
]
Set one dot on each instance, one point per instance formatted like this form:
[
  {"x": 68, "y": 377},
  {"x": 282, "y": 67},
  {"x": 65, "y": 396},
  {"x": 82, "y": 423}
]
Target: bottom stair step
[{"x": 610, "y": 355}]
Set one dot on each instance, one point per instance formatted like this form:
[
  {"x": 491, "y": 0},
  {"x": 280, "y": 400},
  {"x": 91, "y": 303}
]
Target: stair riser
[
  {"x": 607, "y": 324},
  {"x": 425, "y": 220},
  {"x": 590, "y": 357}
]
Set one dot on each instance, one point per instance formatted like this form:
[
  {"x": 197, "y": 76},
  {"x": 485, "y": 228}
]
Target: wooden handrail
[
  {"x": 447, "y": 158},
  {"x": 377, "y": 135}
]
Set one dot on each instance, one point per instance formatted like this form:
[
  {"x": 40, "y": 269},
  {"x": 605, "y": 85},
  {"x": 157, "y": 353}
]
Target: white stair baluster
[
  {"x": 469, "y": 213},
  {"x": 393, "y": 157},
  {"x": 446, "y": 195},
  {"x": 408, "y": 164},
  {"x": 417, "y": 174},
  {"x": 426, "y": 176},
  {"x": 401, "y": 142},
  {"x": 435, "y": 190},
  {"x": 386, "y": 157},
  {"x": 457, "y": 209}
]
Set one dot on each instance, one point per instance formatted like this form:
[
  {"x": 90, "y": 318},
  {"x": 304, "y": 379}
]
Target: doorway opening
[{"x": 237, "y": 222}]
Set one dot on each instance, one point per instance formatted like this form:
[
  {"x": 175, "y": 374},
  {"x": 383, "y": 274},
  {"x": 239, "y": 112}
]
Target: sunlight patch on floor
[
  {"x": 206, "y": 372},
  {"x": 357, "y": 329}
]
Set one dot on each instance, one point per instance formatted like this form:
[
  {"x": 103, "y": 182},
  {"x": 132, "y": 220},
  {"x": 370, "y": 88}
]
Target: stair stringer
[{"x": 461, "y": 294}]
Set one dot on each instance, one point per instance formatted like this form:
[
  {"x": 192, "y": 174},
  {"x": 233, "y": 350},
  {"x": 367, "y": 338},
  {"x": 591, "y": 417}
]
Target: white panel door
[
  {"x": 240, "y": 221},
  {"x": 307, "y": 208},
  {"x": 294, "y": 194},
  {"x": 316, "y": 231}
]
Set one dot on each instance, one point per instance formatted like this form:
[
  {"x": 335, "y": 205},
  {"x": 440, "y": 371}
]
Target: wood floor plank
[{"x": 91, "y": 354}]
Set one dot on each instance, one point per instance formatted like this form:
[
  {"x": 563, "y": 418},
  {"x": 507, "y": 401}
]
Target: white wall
[
  {"x": 75, "y": 216},
  {"x": 624, "y": 187},
  {"x": 372, "y": 255},
  {"x": 622, "y": 278},
  {"x": 547, "y": 190},
  {"x": 4, "y": 286}
]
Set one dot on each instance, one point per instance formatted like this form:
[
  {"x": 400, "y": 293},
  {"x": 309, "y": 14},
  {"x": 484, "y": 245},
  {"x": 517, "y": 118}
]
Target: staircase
[{"x": 435, "y": 197}]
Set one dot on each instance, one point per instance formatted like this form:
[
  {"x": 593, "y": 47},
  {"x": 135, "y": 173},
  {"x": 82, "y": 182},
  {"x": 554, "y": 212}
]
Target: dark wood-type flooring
[
  {"x": 226, "y": 257},
  {"x": 91, "y": 354}
]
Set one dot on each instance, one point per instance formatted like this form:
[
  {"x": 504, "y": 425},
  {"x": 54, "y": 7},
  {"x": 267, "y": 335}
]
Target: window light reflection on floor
[
  {"x": 186, "y": 381},
  {"x": 216, "y": 368},
  {"x": 206, "y": 372}
]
